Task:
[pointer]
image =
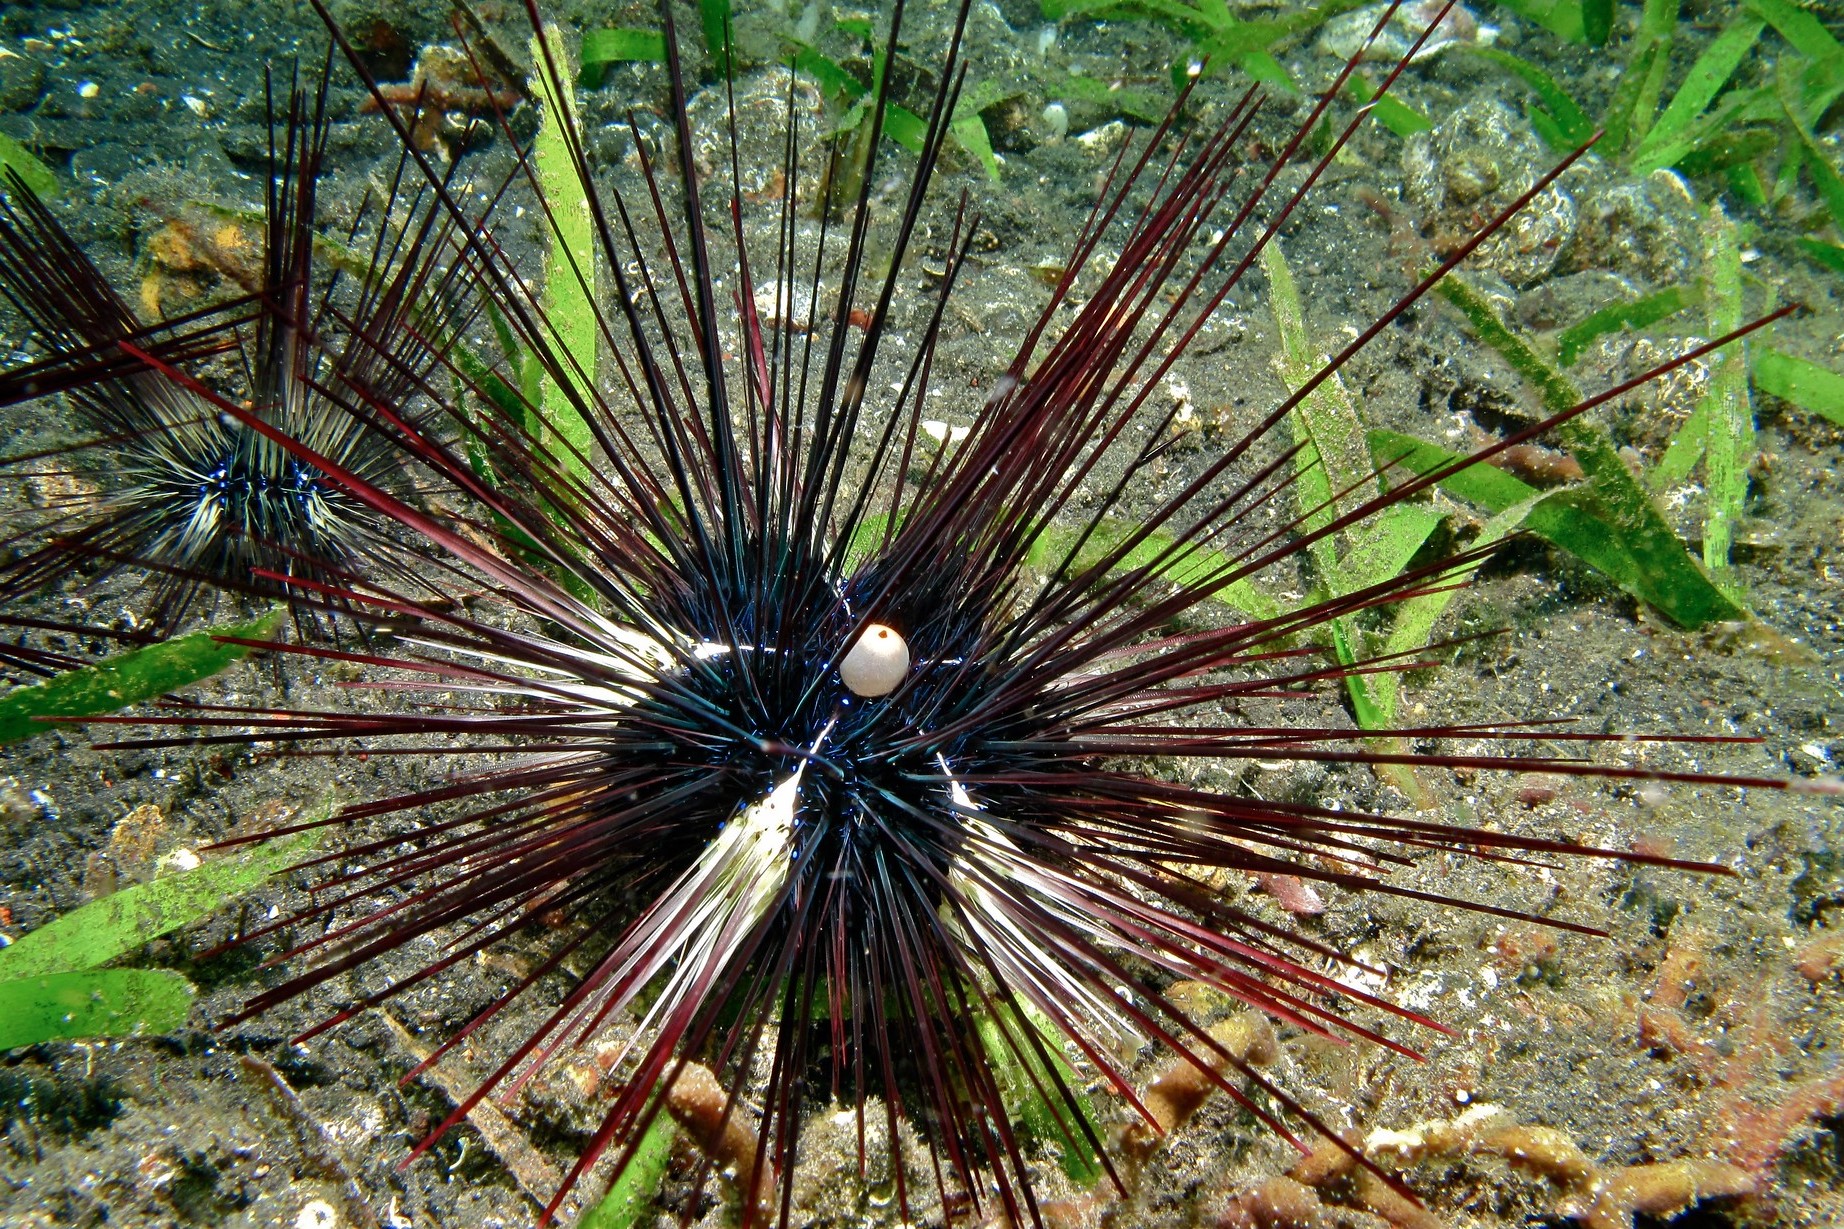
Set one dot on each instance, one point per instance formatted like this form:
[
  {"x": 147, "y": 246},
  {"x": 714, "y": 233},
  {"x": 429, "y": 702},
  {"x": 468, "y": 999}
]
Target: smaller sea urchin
[{"x": 190, "y": 493}]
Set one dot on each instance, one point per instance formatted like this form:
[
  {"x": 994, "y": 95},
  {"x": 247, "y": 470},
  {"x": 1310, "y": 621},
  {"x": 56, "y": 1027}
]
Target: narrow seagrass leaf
[
  {"x": 1262, "y": 67},
  {"x": 1486, "y": 485},
  {"x": 1381, "y": 547},
  {"x": 1824, "y": 174},
  {"x": 569, "y": 268},
  {"x": 1030, "y": 1090},
  {"x": 1333, "y": 474},
  {"x": 92, "y": 1003},
  {"x": 1389, "y": 111},
  {"x": 970, "y": 131},
  {"x": 1572, "y": 519},
  {"x": 1733, "y": 152},
  {"x": 107, "y": 929},
  {"x": 1416, "y": 617},
  {"x": 1702, "y": 139},
  {"x": 1729, "y": 449},
  {"x": 1658, "y": 23},
  {"x": 1240, "y": 37},
  {"x": 1635, "y": 101},
  {"x": 1684, "y": 450},
  {"x": 1178, "y": 15},
  {"x": 1666, "y": 576},
  {"x": 910, "y": 130},
  {"x": 18, "y": 160},
  {"x": 838, "y": 85},
  {"x": 714, "y": 15},
  {"x": 1135, "y": 104},
  {"x": 983, "y": 96},
  {"x": 1804, "y": 31},
  {"x": 1828, "y": 254},
  {"x": 1597, "y": 21},
  {"x": 128, "y": 678},
  {"x": 1572, "y": 123},
  {"x": 1193, "y": 566},
  {"x": 1787, "y": 175},
  {"x": 1745, "y": 181},
  {"x": 1332, "y": 469},
  {"x": 618, "y": 46},
  {"x": 1562, "y": 18},
  {"x": 630, "y": 1198},
  {"x": 1805, "y": 384},
  {"x": 488, "y": 386},
  {"x": 1547, "y": 129},
  {"x": 1567, "y": 518},
  {"x": 1705, "y": 80},
  {"x": 1636, "y": 314}
]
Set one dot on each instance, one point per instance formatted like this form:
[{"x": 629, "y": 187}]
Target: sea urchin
[{"x": 190, "y": 493}]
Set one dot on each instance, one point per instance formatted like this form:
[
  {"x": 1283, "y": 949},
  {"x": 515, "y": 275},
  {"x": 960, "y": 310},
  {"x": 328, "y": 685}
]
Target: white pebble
[
  {"x": 1056, "y": 123},
  {"x": 1102, "y": 140},
  {"x": 876, "y": 664},
  {"x": 89, "y": 89}
]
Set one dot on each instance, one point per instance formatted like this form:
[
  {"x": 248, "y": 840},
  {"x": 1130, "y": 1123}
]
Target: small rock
[
  {"x": 1646, "y": 229},
  {"x": 761, "y": 120},
  {"x": 1473, "y": 164},
  {"x": 1013, "y": 124},
  {"x": 17, "y": 805},
  {"x": 1538, "y": 789},
  {"x": 22, "y": 81},
  {"x": 785, "y": 305},
  {"x": 129, "y": 857},
  {"x": 943, "y": 433},
  {"x": 1102, "y": 140},
  {"x": 1344, "y": 36},
  {"x": 103, "y": 165},
  {"x": 1648, "y": 416}
]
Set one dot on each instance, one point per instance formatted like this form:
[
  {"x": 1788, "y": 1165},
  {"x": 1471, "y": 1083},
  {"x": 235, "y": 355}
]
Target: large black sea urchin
[
  {"x": 827, "y": 739},
  {"x": 169, "y": 483}
]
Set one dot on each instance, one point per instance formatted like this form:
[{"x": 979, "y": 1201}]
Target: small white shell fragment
[
  {"x": 943, "y": 433},
  {"x": 1056, "y": 123},
  {"x": 198, "y": 106},
  {"x": 1180, "y": 393},
  {"x": 317, "y": 1214},
  {"x": 787, "y": 305},
  {"x": 89, "y": 89},
  {"x": 876, "y": 664},
  {"x": 180, "y": 860}
]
